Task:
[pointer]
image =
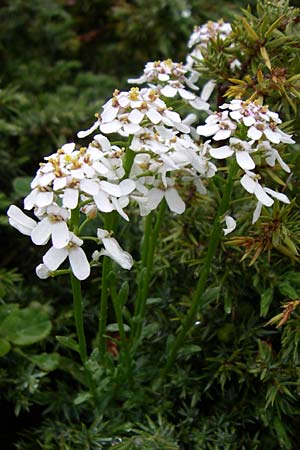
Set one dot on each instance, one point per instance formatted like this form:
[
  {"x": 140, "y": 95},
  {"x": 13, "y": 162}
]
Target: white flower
[
  {"x": 230, "y": 225},
  {"x": 219, "y": 126},
  {"x": 154, "y": 196},
  {"x": 78, "y": 260},
  {"x": 20, "y": 221},
  {"x": 272, "y": 155},
  {"x": 113, "y": 250},
  {"x": 240, "y": 148},
  {"x": 211, "y": 30},
  {"x": 43, "y": 272},
  {"x": 250, "y": 182},
  {"x": 53, "y": 224}
]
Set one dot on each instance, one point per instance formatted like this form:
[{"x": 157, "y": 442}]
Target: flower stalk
[{"x": 214, "y": 240}]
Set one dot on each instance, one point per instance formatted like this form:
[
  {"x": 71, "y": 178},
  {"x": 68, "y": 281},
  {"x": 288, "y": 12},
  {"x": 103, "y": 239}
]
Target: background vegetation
[{"x": 235, "y": 384}]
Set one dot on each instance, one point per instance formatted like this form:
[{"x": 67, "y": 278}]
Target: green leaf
[
  {"x": 211, "y": 294},
  {"x": 6, "y": 310},
  {"x": 82, "y": 397},
  {"x": 26, "y": 326},
  {"x": 68, "y": 342},
  {"x": 21, "y": 186},
  {"x": 4, "y": 347},
  {"x": 114, "y": 328},
  {"x": 288, "y": 291},
  {"x": 46, "y": 361},
  {"x": 265, "y": 301}
]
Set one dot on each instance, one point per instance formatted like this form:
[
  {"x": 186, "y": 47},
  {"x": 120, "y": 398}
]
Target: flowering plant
[{"x": 148, "y": 148}]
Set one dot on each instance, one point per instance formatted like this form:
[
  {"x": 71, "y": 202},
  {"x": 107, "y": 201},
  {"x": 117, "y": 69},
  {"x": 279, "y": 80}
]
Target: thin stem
[
  {"x": 118, "y": 312},
  {"x": 201, "y": 285},
  {"x": 103, "y": 305},
  {"x": 78, "y": 316},
  {"x": 148, "y": 248}
]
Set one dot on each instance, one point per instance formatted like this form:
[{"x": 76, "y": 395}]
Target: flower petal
[
  {"x": 60, "y": 234},
  {"x": 79, "y": 263},
  {"x": 55, "y": 257},
  {"x": 221, "y": 152},
  {"x": 20, "y": 221},
  {"x": 70, "y": 198},
  {"x": 42, "y": 232},
  {"x": 244, "y": 160},
  {"x": 230, "y": 225},
  {"x": 115, "y": 252},
  {"x": 174, "y": 201}
]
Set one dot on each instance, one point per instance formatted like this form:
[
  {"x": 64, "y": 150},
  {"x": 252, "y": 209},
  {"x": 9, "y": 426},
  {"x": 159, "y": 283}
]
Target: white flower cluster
[
  {"x": 257, "y": 128},
  {"x": 74, "y": 185},
  {"x": 173, "y": 79},
  {"x": 202, "y": 35},
  {"x": 92, "y": 179}
]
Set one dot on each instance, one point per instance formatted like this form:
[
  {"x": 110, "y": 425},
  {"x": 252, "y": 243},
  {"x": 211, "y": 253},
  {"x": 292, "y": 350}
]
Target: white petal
[
  {"x": 102, "y": 202},
  {"x": 248, "y": 183},
  {"x": 42, "y": 232},
  {"x": 187, "y": 95},
  {"x": 173, "y": 116},
  {"x": 249, "y": 120},
  {"x": 273, "y": 136},
  {"x": 221, "y": 152},
  {"x": 42, "y": 271},
  {"x": 168, "y": 91},
  {"x": 135, "y": 116},
  {"x": 119, "y": 208},
  {"x": 70, "y": 198},
  {"x": 199, "y": 104},
  {"x": 115, "y": 252},
  {"x": 244, "y": 160},
  {"x": 262, "y": 196},
  {"x": 59, "y": 183},
  {"x": 131, "y": 128},
  {"x": 230, "y": 225},
  {"x": 46, "y": 179},
  {"x": 163, "y": 77},
  {"x": 257, "y": 212},
  {"x": 20, "y": 221},
  {"x": 60, "y": 234},
  {"x": 110, "y": 188},
  {"x": 102, "y": 141},
  {"x": 278, "y": 195},
  {"x": 44, "y": 198},
  {"x": 68, "y": 147},
  {"x": 79, "y": 263},
  {"x": 83, "y": 134},
  {"x": 208, "y": 130},
  {"x": 174, "y": 201},
  {"x": 127, "y": 186},
  {"x": 254, "y": 133},
  {"x": 222, "y": 134},
  {"x": 154, "y": 116},
  {"x": 30, "y": 199},
  {"x": 207, "y": 90},
  {"x": 154, "y": 197},
  {"x": 55, "y": 257},
  {"x": 89, "y": 186},
  {"x": 109, "y": 113},
  {"x": 111, "y": 127}
]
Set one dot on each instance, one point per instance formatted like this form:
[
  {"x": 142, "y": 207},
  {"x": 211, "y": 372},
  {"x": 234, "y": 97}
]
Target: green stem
[
  {"x": 201, "y": 285},
  {"x": 148, "y": 247},
  {"x": 119, "y": 317},
  {"x": 103, "y": 305},
  {"x": 78, "y": 316}
]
